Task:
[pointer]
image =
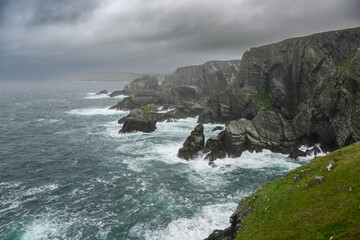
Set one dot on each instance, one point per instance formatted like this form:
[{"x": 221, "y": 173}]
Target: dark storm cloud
[
  {"x": 47, "y": 38},
  {"x": 61, "y": 12}
]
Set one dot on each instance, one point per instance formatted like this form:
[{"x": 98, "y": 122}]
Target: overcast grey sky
[{"x": 45, "y": 39}]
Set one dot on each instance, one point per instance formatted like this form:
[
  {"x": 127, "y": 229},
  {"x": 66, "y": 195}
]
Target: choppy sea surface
[{"x": 66, "y": 173}]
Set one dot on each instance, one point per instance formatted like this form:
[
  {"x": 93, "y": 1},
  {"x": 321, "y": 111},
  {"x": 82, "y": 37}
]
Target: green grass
[
  {"x": 306, "y": 210},
  {"x": 147, "y": 109}
]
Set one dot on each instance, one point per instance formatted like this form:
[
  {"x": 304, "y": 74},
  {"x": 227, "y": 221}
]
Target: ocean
[{"x": 66, "y": 173}]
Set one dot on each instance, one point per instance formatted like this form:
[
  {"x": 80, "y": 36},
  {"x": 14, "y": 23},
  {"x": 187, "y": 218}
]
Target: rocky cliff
[
  {"x": 284, "y": 75},
  {"x": 187, "y": 88},
  {"x": 298, "y": 91},
  {"x": 191, "y": 74}
]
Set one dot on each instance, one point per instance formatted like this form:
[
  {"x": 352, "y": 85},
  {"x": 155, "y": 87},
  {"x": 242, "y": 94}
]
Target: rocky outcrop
[
  {"x": 331, "y": 117},
  {"x": 190, "y": 85},
  {"x": 143, "y": 119},
  {"x": 193, "y": 144},
  {"x": 142, "y": 90},
  {"x": 217, "y": 128},
  {"x": 102, "y": 92},
  {"x": 191, "y": 74},
  {"x": 267, "y": 130},
  {"x": 144, "y": 86},
  {"x": 315, "y": 100},
  {"x": 281, "y": 75},
  {"x": 118, "y": 93}
]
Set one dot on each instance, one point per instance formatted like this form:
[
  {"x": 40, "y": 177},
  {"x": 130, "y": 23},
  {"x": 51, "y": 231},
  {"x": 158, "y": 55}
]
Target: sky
[{"x": 47, "y": 39}]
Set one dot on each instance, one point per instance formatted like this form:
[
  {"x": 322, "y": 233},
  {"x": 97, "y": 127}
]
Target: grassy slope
[{"x": 306, "y": 210}]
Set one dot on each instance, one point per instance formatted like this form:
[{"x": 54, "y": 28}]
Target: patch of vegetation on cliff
[
  {"x": 347, "y": 66},
  {"x": 261, "y": 99},
  {"x": 298, "y": 207},
  {"x": 147, "y": 109}
]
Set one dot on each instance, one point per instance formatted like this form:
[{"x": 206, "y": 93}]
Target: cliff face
[
  {"x": 316, "y": 201},
  {"x": 286, "y": 72},
  {"x": 191, "y": 85},
  {"x": 301, "y": 90},
  {"x": 191, "y": 74}
]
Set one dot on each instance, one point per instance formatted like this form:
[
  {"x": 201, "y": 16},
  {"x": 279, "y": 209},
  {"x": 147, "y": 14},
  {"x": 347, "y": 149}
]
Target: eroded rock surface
[
  {"x": 193, "y": 144},
  {"x": 143, "y": 119}
]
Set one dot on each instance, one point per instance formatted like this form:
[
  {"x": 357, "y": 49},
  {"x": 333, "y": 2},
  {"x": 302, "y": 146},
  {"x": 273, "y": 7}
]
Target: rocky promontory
[
  {"x": 298, "y": 91},
  {"x": 187, "y": 85},
  {"x": 279, "y": 96}
]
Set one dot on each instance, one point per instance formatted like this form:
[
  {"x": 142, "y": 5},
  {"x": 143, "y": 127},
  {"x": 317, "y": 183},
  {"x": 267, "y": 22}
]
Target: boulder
[
  {"x": 143, "y": 120},
  {"x": 193, "y": 144},
  {"x": 217, "y": 128},
  {"x": 318, "y": 179}
]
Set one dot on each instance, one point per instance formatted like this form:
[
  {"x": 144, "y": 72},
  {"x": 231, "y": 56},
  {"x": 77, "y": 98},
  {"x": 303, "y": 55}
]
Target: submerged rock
[
  {"x": 143, "y": 120},
  {"x": 118, "y": 93},
  {"x": 193, "y": 144},
  {"x": 102, "y": 92}
]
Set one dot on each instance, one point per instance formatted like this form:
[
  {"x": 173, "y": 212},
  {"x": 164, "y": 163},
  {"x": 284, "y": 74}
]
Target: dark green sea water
[{"x": 65, "y": 173}]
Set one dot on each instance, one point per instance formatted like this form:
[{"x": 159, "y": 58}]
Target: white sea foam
[
  {"x": 198, "y": 226},
  {"x": 45, "y": 228},
  {"x": 37, "y": 190},
  {"x": 165, "y": 110},
  {"x": 49, "y": 121},
  {"x": 102, "y": 96},
  {"x": 305, "y": 148},
  {"x": 13, "y": 205},
  {"x": 96, "y": 111}
]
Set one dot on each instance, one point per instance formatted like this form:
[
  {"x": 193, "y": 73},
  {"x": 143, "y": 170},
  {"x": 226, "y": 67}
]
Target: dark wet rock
[
  {"x": 297, "y": 178},
  {"x": 119, "y": 92},
  {"x": 143, "y": 119},
  {"x": 217, "y": 128},
  {"x": 295, "y": 152},
  {"x": 193, "y": 144},
  {"x": 171, "y": 120},
  {"x": 215, "y": 148},
  {"x": 184, "y": 110},
  {"x": 267, "y": 130},
  {"x": 102, "y": 92}
]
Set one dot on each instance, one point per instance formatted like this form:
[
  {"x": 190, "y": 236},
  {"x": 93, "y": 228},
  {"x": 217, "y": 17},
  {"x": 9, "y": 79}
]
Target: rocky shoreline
[
  {"x": 299, "y": 91},
  {"x": 279, "y": 96}
]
